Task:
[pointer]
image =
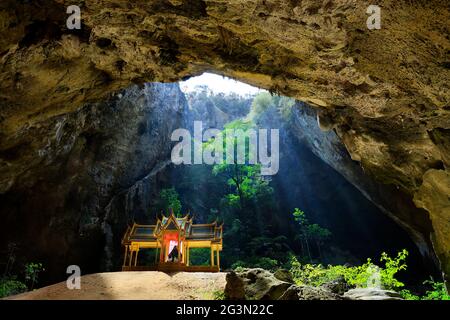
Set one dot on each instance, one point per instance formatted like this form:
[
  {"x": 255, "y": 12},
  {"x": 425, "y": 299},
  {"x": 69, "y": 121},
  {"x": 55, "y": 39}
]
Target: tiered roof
[{"x": 193, "y": 232}]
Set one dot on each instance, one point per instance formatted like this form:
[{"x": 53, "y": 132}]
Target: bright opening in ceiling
[{"x": 217, "y": 84}]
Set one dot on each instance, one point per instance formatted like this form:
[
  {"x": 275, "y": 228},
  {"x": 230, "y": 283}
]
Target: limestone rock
[
  {"x": 295, "y": 292},
  {"x": 76, "y": 180},
  {"x": 372, "y": 294},
  {"x": 234, "y": 288},
  {"x": 259, "y": 284},
  {"x": 338, "y": 286},
  {"x": 434, "y": 196},
  {"x": 283, "y": 275}
]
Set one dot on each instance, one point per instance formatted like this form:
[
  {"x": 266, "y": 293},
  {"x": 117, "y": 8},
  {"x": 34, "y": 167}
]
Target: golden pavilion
[{"x": 172, "y": 237}]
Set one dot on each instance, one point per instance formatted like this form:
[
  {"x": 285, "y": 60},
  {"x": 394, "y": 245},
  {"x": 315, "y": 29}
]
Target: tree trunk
[{"x": 307, "y": 246}]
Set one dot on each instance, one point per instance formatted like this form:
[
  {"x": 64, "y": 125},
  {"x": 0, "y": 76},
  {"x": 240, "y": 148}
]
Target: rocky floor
[
  {"x": 250, "y": 284},
  {"x": 145, "y": 285}
]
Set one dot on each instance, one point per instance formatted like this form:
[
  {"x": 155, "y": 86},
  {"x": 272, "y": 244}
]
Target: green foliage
[
  {"x": 237, "y": 194},
  {"x": 407, "y": 295},
  {"x": 266, "y": 263},
  {"x": 392, "y": 267},
  {"x": 247, "y": 206},
  {"x": 315, "y": 231},
  {"x": 438, "y": 292},
  {"x": 285, "y": 106},
  {"x": 219, "y": 295},
  {"x": 244, "y": 179},
  {"x": 239, "y": 265},
  {"x": 230, "y": 103},
  {"x": 265, "y": 102},
  {"x": 32, "y": 271},
  {"x": 256, "y": 262},
  {"x": 148, "y": 256},
  {"x": 300, "y": 217},
  {"x": 315, "y": 275},
  {"x": 365, "y": 275},
  {"x": 169, "y": 200},
  {"x": 200, "y": 256},
  {"x": 310, "y": 233},
  {"x": 11, "y": 286},
  {"x": 261, "y": 103},
  {"x": 310, "y": 230}
]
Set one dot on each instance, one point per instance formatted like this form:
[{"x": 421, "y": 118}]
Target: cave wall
[
  {"x": 384, "y": 92},
  {"x": 61, "y": 207},
  {"x": 305, "y": 125},
  {"x": 340, "y": 198}
]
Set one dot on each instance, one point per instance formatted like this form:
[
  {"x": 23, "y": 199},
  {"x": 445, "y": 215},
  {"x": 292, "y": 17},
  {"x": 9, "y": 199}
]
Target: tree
[
  {"x": 168, "y": 199},
  {"x": 261, "y": 102},
  {"x": 319, "y": 235},
  {"x": 32, "y": 271},
  {"x": 300, "y": 218},
  {"x": 309, "y": 231},
  {"x": 248, "y": 199},
  {"x": 245, "y": 178}
]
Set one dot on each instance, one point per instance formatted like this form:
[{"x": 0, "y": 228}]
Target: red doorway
[{"x": 170, "y": 240}]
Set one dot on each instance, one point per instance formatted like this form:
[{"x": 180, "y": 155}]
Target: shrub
[
  {"x": 238, "y": 265},
  {"x": 168, "y": 199},
  {"x": 11, "y": 286},
  {"x": 407, "y": 295},
  {"x": 219, "y": 295},
  {"x": 392, "y": 266},
  {"x": 32, "y": 271},
  {"x": 257, "y": 262},
  {"x": 200, "y": 256},
  {"x": 261, "y": 103},
  {"x": 365, "y": 275},
  {"x": 266, "y": 263},
  {"x": 439, "y": 291}
]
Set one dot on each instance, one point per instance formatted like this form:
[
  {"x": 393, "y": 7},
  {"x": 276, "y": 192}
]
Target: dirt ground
[{"x": 145, "y": 285}]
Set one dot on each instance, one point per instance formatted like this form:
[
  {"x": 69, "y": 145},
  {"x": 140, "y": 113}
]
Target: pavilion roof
[{"x": 193, "y": 232}]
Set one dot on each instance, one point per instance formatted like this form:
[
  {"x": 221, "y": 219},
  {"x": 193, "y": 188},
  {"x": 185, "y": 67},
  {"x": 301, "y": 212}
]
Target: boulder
[
  {"x": 258, "y": 284},
  {"x": 283, "y": 275},
  {"x": 295, "y": 292},
  {"x": 372, "y": 294},
  {"x": 234, "y": 289},
  {"x": 338, "y": 286}
]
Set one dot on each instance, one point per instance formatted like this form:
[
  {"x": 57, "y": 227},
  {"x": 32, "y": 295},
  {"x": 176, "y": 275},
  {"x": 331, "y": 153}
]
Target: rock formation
[
  {"x": 372, "y": 294},
  {"x": 77, "y": 179},
  {"x": 385, "y": 93},
  {"x": 260, "y": 284},
  {"x": 389, "y": 199}
]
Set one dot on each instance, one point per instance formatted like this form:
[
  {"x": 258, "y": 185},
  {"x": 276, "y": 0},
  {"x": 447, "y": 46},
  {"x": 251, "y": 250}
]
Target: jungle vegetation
[{"x": 256, "y": 237}]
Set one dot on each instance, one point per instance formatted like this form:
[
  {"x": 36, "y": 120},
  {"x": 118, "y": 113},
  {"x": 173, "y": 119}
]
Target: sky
[{"x": 218, "y": 84}]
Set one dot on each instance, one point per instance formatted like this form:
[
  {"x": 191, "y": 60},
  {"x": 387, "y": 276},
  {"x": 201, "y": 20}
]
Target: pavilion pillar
[
  {"x": 218, "y": 259},
  {"x": 125, "y": 257},
  {"x": 136, "y": 258},
  {"x": 162, "y": 253},
  {"x": 179, "y": 249},
  {"x": 187, "y": 255},
  {"x": 212, "y": 257},
  {"x": 131, "y": 258}
]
